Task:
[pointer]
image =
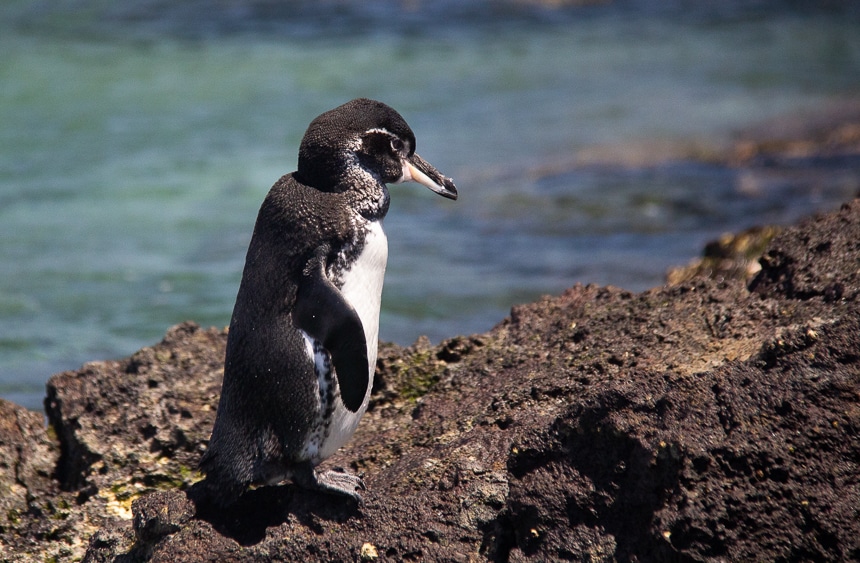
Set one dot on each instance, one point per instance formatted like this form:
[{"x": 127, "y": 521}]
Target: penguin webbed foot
[{"x": 332, "y": 482}]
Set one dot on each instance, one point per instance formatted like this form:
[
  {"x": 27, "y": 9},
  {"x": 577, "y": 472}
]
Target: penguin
[{"x": 302, "y": 343}]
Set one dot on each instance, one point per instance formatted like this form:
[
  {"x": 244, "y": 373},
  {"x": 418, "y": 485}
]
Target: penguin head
[{"x": 361, "y": 142}]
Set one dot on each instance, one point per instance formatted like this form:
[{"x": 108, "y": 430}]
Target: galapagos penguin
[{"x": 302, "y": 343}]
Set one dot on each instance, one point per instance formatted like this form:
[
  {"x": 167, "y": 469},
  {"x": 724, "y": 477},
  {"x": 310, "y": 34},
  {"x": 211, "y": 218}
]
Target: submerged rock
[{"x": 709, "y": 420}]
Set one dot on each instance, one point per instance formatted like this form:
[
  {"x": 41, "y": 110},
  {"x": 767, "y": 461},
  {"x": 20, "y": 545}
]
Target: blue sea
[{"x": 138, "y": 139}]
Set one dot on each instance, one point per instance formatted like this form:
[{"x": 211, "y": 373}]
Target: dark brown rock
[
  {"x": 702, "y": 421},
  {"x": 137, "y": 415},
  {"x": 27, "y": 461},
  {"x": 818, "y": 259}
]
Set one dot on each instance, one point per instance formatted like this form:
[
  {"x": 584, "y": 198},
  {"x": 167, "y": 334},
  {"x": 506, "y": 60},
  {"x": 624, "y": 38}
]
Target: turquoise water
[{"x": 137, "y": 142}]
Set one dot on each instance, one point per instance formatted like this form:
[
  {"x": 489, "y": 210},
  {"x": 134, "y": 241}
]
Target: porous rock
[{"x": 709, "y": 420}]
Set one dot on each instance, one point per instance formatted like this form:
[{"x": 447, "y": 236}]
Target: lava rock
[{"x": 708, "y": 420}]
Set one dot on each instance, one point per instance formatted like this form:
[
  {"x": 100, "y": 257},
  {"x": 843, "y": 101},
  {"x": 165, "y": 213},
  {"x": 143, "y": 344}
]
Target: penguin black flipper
[{"x": 322, "y": 312}]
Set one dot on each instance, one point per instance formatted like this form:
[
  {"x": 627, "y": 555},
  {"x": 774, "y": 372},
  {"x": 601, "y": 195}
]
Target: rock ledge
[{"x": 711, "y": 420}]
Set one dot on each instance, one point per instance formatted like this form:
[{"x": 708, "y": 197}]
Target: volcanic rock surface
[{"x": 710, "y": 420}]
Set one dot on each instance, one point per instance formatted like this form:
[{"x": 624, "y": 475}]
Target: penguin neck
[
  {"x": 371, "y": 204},
  {"x": 364, "y": 191}
]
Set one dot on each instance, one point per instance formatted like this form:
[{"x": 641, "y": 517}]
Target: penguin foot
[{"x": 334, "y": 482}]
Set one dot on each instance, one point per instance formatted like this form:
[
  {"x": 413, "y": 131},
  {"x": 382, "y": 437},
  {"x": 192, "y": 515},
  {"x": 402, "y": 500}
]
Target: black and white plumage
[{"x": 302, "y": 344}]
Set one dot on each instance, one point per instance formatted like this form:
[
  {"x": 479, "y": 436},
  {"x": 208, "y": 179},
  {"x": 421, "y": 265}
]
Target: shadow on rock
[
  {"x": 258, "y": 509},
  {"x": 599, "y": 477}
]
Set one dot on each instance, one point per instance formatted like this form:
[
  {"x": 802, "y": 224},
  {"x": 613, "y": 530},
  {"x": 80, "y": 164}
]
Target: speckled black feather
[{"x": 263, "y": 419}]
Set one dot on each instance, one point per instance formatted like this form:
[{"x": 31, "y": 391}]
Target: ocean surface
[{"x": 138, "y": 139}]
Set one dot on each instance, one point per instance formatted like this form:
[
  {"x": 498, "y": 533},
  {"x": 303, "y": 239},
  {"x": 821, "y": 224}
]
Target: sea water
[{"x": 137, "y": 140}]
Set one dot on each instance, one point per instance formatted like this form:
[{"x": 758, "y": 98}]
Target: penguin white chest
[
  {"x": 362, "y": 285},
  {"x": 362, "y": 289}
]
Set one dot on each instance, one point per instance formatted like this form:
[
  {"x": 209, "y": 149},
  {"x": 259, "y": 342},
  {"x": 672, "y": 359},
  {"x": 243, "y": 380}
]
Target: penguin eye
[{"x": 396, "y": 145}]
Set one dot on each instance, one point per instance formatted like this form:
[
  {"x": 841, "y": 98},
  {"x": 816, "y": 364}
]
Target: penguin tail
[{"x": 221, "y": 488}]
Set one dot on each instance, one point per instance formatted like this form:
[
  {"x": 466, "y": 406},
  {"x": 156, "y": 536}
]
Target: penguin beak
[{"x": 416, "y": 169}]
